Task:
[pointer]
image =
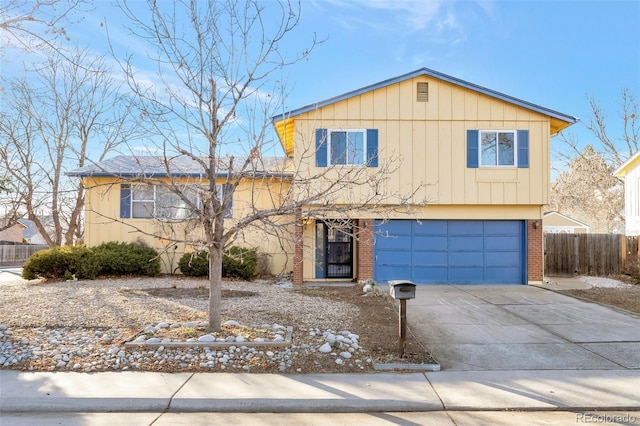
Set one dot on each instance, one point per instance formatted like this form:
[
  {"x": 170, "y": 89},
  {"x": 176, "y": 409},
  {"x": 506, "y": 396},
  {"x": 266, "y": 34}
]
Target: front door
[{"x": 334, "y": 249}]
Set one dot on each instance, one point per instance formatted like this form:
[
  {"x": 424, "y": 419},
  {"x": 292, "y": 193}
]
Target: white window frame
[
  {"x": 134, "y": 201},
  {"x": 496, "y": 165},
  {"x": 154, "y": 214},
  {"x": 349, "y": 162}
]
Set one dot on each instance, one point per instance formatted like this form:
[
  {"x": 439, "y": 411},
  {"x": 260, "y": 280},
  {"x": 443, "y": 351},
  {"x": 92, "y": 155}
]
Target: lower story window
[{"x": 161, "y": 202}]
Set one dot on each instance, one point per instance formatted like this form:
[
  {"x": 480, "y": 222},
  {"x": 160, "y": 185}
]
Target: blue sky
[{"x": 551, "y": 53}]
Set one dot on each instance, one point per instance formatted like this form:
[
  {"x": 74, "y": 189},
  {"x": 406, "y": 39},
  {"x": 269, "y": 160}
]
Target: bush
[
  {"x": 85, "y": 264},
  {"x": 194, "y": 264},
  {"x": 61, "y": 262},
  {"x": 237, "y": 262},
  {"x": 127, "y": 259}
]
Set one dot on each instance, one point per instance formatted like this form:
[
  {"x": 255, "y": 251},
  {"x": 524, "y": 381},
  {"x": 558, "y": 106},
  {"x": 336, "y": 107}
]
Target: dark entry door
[{"x": 334, "y": 249}]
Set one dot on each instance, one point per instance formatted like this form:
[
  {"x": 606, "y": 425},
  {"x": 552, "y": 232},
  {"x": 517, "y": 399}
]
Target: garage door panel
[
  {"x": 429, "y": 258},
  {"x": 465, "y": 227},
  {"x": 502, "y": 259},
  {"x": 451, "y": 251},
  {"x": 390, "y": 272},
  {"x": 465, "y": 275},
  {"x": 426, "y": 243},
  {"x": 502, "y": 275},
  {"x": 503, "y": 227},
  {"x": 392, "y": 242},
  {"x": 429, "y": 227},
  {"x": 466, "y": 259},
  {"x": 397, "y": 227},
  {"x": 394, "y": 257},
  {"x": 430, "y": 275},
  {"x": 466, "y": 243},
  {"x": 504, "y": 243}
]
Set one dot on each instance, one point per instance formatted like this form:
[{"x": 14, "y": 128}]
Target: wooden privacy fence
[
  {"x": 19, "y": 253},
  {"x": 590, "y": 254}
]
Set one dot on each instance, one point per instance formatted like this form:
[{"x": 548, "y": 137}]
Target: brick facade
[
  {"x": 535, "y": 251},
  {"x": 364, "y": 244}
]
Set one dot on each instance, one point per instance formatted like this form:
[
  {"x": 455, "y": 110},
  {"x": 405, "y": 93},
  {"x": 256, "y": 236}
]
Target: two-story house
[
  {"x": 479, "y": 160},
  {"x": 460, "y": 173}
]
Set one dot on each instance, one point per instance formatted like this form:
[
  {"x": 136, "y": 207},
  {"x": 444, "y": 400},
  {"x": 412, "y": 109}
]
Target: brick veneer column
[
  {"x": 365, "y": 249},
  {"x": 535, "y": 251},
  {"x": 298, "y": 254}
]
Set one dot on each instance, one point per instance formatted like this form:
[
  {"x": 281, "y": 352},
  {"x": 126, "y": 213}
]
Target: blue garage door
[{"x": 451, "y": 251}]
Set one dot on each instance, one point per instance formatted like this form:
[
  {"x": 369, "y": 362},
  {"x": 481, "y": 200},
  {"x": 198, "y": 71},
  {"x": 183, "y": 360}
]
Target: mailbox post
[{"x": 402, "y": 290}]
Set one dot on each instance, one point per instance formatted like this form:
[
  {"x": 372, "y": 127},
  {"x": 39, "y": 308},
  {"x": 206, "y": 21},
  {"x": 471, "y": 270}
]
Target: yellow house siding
[
  {"x": 429, "y": 140},
  {"x": 444, "y": 102},
  {"x": 103, "y": 223},
  {"x": 406, "y": 109}
]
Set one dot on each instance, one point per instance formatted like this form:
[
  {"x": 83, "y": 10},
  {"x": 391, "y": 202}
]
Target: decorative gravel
[{"x": 84, "y": 326}]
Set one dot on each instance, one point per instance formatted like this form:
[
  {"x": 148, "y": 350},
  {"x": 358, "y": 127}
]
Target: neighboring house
[
  {"x": 474, "y": 162},
  {"x": 481, "y": 160},
  {"x": 31, "y": 234},
  {"x": 12, "y": 234},
  {"x": 557, "y": 223},
  {"x": 629, "y": 171}
]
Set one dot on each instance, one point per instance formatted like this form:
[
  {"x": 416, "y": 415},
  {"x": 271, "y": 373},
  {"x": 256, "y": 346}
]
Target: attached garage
[{"x": 451, "y": 251}]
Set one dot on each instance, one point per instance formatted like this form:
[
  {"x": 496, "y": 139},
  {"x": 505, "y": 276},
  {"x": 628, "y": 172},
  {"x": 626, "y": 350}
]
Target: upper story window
[
  {"x": 160, "y": 202},
  {"x": 497, "y": 148},
  {"x": 347, "y": 147}
]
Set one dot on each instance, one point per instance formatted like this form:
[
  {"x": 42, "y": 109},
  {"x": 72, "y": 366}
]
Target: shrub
[
  {"x": 194, "y": 264},
  {"x": 237, "y": 262},
  {"x": 82, "y": 263},
  {"x": 127, "y": 259},
  {"x": 61, "y": 262}
]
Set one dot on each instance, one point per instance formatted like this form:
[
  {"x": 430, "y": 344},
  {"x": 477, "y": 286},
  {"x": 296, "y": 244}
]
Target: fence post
[{"x": 576, "y": 251}]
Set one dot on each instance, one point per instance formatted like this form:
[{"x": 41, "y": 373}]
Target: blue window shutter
[
  {"x": 372, "y": 148},
  {"x": 472, "y": 148},
  {"x": 125, "y": 200},
  {"x": 321, "y": 147},
  {"x": 523, "y": 149}
]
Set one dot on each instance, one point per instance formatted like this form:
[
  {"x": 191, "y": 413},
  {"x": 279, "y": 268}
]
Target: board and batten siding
[
  {"x": 427, "y": 140},
  {"x": 103, "y": 223}
]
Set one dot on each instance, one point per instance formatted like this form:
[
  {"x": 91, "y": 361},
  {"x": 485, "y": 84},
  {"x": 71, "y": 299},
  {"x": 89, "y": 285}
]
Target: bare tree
[
  {"x": 585, "y": 188},
  {"x": 33, "y": 24},
  {"x": 218, "y": 82},
  {"x": 588, "y": 192},
  {"x": 51, "y": 123}
]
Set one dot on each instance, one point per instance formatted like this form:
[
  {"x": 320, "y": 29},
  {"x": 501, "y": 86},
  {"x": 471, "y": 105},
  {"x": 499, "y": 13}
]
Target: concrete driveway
[{"x": 518, "y": 327}]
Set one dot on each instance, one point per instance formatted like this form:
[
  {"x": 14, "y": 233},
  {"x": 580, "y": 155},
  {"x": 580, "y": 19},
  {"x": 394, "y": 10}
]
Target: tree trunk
[{"x": 215, "y": 287}]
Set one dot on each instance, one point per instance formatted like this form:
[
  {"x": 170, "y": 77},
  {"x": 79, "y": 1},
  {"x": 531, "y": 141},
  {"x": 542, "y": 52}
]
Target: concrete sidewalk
[{"x": 320, "y": 393}]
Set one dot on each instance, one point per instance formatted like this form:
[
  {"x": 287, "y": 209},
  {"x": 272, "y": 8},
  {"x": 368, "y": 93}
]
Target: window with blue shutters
[
  {"x": 497, "y": 148},
  {"x": 160, "y": 202},
  {"x": 352, "y": 147}
]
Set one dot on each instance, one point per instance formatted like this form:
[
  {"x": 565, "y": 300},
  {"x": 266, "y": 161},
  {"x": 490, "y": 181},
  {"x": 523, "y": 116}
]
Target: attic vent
[{"x": 423, "y": 92}]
